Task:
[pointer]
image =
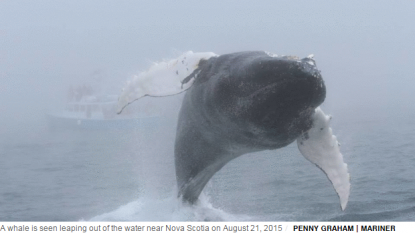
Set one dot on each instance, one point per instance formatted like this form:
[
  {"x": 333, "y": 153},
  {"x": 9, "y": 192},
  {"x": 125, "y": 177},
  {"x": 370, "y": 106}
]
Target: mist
[{"x": 364, "y": 49}]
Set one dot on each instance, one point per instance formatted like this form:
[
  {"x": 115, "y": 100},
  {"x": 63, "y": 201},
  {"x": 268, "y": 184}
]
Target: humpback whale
[{"x": 240, "y": 103}]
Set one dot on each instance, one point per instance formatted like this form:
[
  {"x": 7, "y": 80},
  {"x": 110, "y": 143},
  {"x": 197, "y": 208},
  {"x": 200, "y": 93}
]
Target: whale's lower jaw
[
  {"x": 198, "y": 156},
  {"x": 190, "y": 190},
  {"x": 191, "y": 187}
]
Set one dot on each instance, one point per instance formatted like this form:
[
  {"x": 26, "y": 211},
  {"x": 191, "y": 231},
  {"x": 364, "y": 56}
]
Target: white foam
[
  {"x": 168, "y": 209},
  {"x": 271, "y": 54}
]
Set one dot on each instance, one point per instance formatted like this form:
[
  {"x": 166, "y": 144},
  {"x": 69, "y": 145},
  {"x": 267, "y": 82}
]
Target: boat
[{"x": 99, "y": 113}]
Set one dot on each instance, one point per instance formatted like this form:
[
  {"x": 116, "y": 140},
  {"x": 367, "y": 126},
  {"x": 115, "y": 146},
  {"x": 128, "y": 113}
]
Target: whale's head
[
  {"x": 267, "y": 95},
  {"x": 248, "y": 102}
]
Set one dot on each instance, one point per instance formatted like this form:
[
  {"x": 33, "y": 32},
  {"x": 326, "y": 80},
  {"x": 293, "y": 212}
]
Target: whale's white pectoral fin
[
  {"x": 163, "y": 79},
  {"x": 321, "y": 147}
]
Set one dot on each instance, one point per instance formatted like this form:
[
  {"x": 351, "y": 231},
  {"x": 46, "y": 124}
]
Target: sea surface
[{"x": 128, "y": 175}]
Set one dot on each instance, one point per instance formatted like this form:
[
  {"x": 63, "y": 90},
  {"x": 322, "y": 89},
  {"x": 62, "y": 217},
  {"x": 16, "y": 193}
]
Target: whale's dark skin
[{"x": 240, "y": 103}]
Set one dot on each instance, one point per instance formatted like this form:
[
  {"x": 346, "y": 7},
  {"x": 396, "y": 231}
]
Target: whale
[{"x": 240, "y": 103}]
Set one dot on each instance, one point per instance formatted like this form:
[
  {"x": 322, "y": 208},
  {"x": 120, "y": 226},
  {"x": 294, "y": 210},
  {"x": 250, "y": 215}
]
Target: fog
[{"x": 364, "y": 49}]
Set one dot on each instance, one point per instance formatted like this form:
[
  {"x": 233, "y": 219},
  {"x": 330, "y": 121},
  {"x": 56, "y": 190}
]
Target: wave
[
  {"x": 402, "y": 214},
  {"x": 169, "y": 209}
]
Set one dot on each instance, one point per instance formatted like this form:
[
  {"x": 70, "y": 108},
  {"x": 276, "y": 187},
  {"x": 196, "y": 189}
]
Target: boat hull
[{"x": 61, "y": 122}]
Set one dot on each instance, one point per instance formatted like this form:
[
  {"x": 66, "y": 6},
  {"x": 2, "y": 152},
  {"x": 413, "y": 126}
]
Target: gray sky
[{"x": 365, "y": 49}]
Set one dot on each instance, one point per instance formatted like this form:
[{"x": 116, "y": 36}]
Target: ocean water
[{"x": 129, "y": 176}]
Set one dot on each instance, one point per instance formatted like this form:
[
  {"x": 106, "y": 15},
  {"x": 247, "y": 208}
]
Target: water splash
[{"x": 169, "y": 209}]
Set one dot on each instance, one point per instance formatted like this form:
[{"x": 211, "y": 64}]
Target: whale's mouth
[{"x": 294, "y": 95}]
